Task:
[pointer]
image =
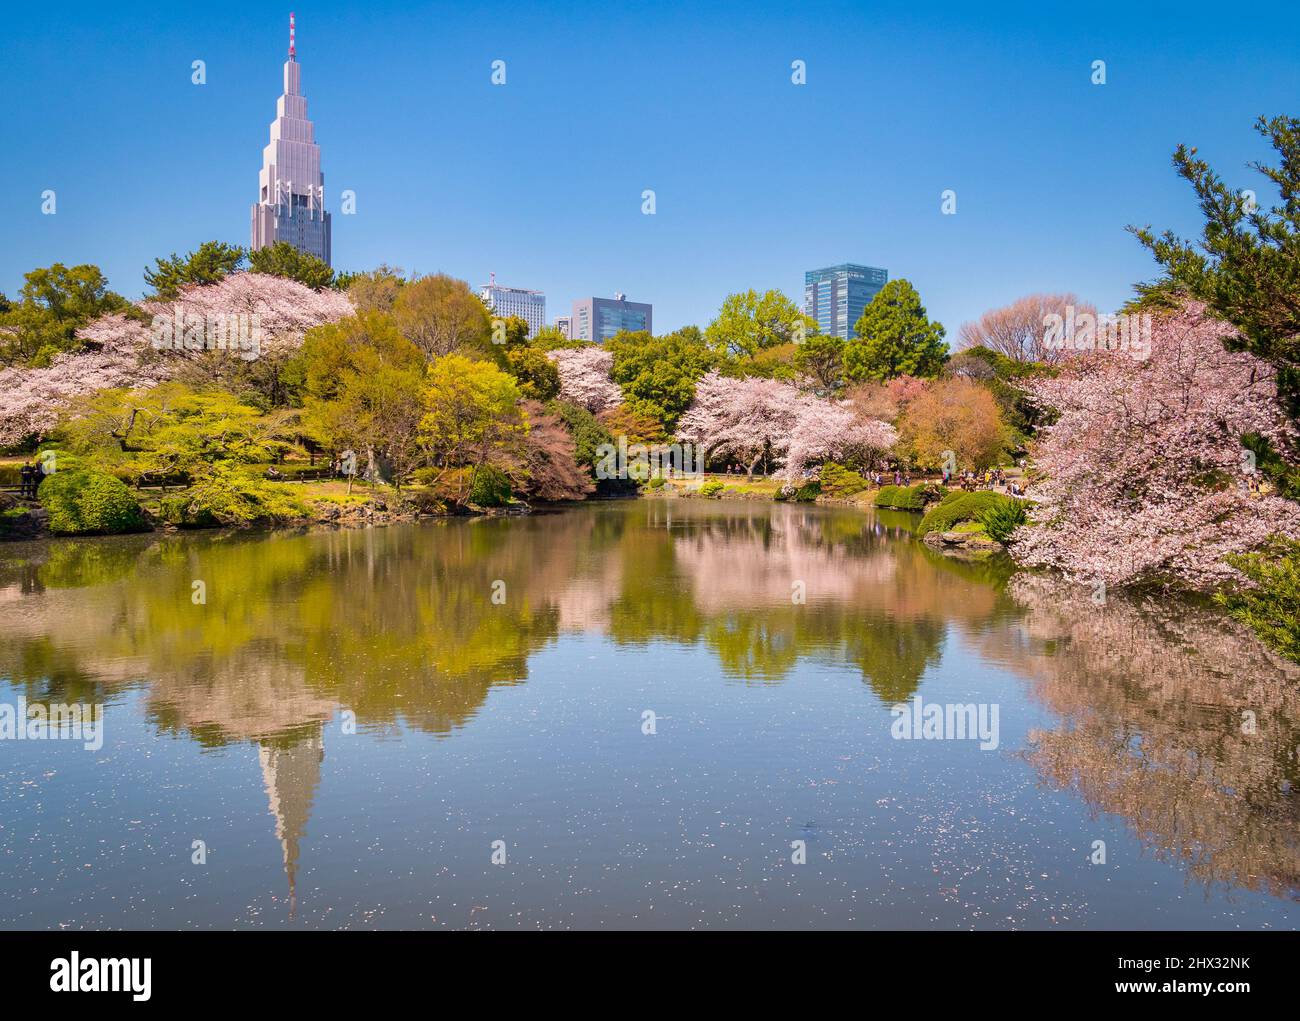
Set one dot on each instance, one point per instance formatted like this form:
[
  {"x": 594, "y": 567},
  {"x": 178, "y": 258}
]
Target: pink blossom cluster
[
  {"x": 119, "y": 351},
  {"x": 744, "y": 418},
  {"x": 584, "y": 377},
  {"x": 31, "y": 399},
  {"x": 285, "y": 309},
  {"x": 1145, "y": 479}
]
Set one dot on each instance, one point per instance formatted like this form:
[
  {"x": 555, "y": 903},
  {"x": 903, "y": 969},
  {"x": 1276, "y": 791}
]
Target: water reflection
[
  {"x": 1185, "y": 727},
  {"x": 399, "y": 627}
]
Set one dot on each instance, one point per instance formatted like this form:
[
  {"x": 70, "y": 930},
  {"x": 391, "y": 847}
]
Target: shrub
[
  {"x": 962, "y": 507},
  {"x": 910, "y": 497},
  {"x": 712, "y": 488},
  {"x": 230, "y": 494},
  {"x": 82, "y": 502},
  {"x": 491, "y": 487},
  {"x": 1271, "y": 606},
  {"x": 1002, "y": 519},
  {"x": 656, "y": 483},
  {"x": 838, "y": 481},
  {"x": 806, "y": 493}
]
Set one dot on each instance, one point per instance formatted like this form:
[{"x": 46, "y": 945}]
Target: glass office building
[
  {"x": 835, "y": 296},
  {"x": 598, "y": 319}
]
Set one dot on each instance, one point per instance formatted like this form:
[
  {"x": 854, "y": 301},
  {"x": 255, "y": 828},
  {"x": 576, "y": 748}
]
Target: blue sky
[{"x": 540, "y": 180}]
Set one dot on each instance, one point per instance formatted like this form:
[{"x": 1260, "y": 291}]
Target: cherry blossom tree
[
  {"x": 120, "y": 350},
  {"x": 749, "y": 418},
  {"x": 32, "y": 399},
  {"x": 833, "y": 430},
  {"x": 585, "y": 377},
  {"x": 1145, "y": 478}
]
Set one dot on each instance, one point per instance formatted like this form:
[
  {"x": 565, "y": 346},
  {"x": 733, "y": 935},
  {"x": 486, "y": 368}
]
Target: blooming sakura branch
[
  {"x": 35, "y": 721},
  {"x": 1100, "y": 332},
  {"x": 178, "y": 330}
]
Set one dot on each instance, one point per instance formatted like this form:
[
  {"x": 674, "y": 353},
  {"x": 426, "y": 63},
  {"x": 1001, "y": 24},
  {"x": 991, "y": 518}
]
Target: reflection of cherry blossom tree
[
  {"x": 584, "y": 377},
  {"x": 1146, "y": 478},
  {"x": 1152, "y": 698}
]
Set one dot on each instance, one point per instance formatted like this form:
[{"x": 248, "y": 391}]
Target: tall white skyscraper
[
  {"x": 515, "y": 301},
  {"x": 291, "y": 188}
]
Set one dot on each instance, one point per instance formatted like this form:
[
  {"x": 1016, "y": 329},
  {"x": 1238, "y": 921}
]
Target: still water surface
[{"x": 350, "y": 721}]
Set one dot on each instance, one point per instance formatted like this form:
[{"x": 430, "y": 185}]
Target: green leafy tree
[
  {"x": 658, "y": 374},
  {"x": 284, "y": 260},
  {"x": 821, "y": 358},
  {"x": 441, "y": 315},
  {"x": 537, "y": 376},
  {"x": 81, "y": 501},
  {"x": 750, "y": 322},
  {"x": 363, "y": 384},
  {"x": 549, "y": 338},
  {"x": 210, "y": 263},
  {"x": 1246, "y": 264},
  {"x": 471, "y": 415},
  {"x": 375, "y": 290},
  {"x": 895, "y": 337},
  {"x": 1271, "y": 602},
  {"x": 54, "y": 302}
]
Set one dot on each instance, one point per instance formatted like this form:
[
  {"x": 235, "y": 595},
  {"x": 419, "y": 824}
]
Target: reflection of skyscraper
[
  {"x": 290, "y": 203},
  {"x": 291, "y": 774}
]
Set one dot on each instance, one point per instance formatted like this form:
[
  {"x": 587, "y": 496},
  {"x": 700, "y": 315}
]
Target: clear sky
[{"x": 540, "y": 180}]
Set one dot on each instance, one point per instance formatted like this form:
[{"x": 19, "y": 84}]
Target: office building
[
  {"x": 598, "y": 319},
  {"x": 835, "y": 296},
  {"x": 515, "y": 301},
  {"x": 291, "y": 188}
]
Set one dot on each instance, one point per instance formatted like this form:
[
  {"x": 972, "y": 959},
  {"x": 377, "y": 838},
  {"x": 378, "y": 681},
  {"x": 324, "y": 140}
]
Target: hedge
[
  {"x": 961, "y": 507},
  {"x": 910, "y": 497},
  {"x": 838, "y": 481}
]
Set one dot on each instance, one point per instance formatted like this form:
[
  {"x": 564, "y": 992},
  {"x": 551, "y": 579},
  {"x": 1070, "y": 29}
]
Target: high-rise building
[
  {"x": 515, "y": 301},
  {"x": 835, "y": 296},
  {"x": 565, "y": 325},
  {"x": 290, "y": 203},
  {"x": 598, "y": 319}
]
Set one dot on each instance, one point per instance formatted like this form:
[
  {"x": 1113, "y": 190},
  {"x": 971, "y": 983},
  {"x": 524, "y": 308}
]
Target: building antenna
[{"x": 292, "y": 49}]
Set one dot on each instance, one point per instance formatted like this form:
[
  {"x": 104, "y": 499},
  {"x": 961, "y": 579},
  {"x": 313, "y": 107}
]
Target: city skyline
[{"x": 977, "y": 122}]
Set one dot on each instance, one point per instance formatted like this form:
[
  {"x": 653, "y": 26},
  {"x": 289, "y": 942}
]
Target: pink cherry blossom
[
  {"x": 746, "y": 418},
  {"x": 584, "y": 377},
  {"x": 1145, "y": 478},
  {"x": 119, "y": 351}
]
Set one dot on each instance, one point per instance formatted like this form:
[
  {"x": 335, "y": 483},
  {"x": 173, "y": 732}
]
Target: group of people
[
  {"x": 990, "y": 478},
  {"x": 29, "y": 480}
]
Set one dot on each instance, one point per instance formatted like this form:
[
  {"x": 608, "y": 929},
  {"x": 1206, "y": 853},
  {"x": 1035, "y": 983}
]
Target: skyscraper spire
[{"x": 291, "y": 188}]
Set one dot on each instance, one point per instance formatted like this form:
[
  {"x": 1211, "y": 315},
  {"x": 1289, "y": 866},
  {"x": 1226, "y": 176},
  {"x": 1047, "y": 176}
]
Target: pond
[{"x": 661, "y": 713}]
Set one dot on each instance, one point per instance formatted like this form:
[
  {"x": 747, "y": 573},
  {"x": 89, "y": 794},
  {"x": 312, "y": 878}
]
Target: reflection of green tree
[
  {"x": 755, "y": 645},
  {"x": 894, "y": 653},
  {"x": 398, "y": 624}
]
